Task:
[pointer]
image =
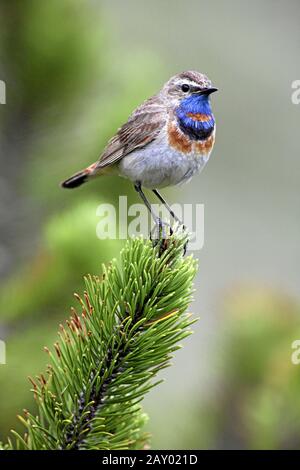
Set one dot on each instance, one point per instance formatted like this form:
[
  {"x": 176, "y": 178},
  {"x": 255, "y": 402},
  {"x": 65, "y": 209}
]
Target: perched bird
[{"x": 165, "y": 141}]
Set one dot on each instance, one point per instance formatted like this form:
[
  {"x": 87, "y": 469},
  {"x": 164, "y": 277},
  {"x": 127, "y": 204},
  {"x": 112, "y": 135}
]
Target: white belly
[{"x": 158, "y": 165}]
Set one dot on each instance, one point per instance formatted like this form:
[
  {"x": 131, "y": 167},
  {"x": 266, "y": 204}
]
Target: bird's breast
[{"x": 181, "y": 142}]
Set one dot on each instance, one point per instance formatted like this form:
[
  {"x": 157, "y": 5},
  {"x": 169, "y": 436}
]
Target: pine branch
[{"x": 108, "y": 355}]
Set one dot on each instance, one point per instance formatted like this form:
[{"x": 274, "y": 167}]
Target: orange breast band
[{"x": 199, "y": 117}]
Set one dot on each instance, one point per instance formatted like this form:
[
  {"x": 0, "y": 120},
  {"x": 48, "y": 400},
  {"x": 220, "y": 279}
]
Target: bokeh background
[{"x": 74, "y": 70}]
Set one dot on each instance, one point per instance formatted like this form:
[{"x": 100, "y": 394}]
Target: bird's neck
[{"x": 195, "y": 118}]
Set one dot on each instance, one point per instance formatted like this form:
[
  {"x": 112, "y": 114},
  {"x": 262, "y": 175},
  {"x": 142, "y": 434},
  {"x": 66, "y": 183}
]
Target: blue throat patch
[{"x": 195, "y": 117}]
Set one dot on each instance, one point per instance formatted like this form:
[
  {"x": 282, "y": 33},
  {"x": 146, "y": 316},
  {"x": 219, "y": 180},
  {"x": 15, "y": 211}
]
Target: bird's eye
[{"x": 185, "y": 87}]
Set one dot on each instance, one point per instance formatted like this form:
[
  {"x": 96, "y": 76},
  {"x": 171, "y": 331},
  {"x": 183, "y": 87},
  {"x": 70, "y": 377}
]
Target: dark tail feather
[{"x": 75, "y": 180}]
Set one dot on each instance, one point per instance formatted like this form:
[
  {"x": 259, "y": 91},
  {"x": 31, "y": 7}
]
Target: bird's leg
[
  {"x": 172, "y": 214},
  {"x": 157, "y": 220},
  {"x": 164, "y": 202}
]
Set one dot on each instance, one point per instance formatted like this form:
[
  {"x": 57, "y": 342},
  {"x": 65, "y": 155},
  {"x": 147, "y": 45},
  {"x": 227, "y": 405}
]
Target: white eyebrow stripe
[{"x": 190, "y": 82}]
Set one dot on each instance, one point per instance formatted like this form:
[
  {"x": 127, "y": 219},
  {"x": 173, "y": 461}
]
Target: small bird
[{"x": 164, "y": 142}]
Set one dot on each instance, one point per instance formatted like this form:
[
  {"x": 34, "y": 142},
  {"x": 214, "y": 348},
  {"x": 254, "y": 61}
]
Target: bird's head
[{"x": 188, "y": 85}]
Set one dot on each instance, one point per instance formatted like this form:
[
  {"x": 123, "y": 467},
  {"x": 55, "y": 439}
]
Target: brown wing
[{"x": 142, "y": 127}]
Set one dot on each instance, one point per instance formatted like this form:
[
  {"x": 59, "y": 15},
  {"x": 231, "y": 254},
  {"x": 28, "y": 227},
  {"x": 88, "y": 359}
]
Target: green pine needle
[{"x": 109, "y": 352}]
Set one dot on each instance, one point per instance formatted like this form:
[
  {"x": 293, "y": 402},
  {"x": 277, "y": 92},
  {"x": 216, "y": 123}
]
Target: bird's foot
[
  {"x": 185, "y": 247},
  {"x": 160, "y": 235}
]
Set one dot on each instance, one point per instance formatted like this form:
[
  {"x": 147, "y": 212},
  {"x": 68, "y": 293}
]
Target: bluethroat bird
[{"x": 165, "y": 141}]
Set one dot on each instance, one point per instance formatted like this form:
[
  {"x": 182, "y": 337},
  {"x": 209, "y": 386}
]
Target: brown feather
[{"x": 142, "y": 127}]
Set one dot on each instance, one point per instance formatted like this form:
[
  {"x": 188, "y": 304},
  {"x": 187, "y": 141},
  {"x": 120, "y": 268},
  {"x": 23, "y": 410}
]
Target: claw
[
  {"x": 161, "y": 230},
  {"x": 162, "y": 238},
  {"x": 185, "y": 248}
]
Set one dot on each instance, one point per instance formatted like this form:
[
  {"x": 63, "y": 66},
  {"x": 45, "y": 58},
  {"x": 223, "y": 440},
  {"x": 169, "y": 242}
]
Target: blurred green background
[{"x": 74, "y": 70}]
